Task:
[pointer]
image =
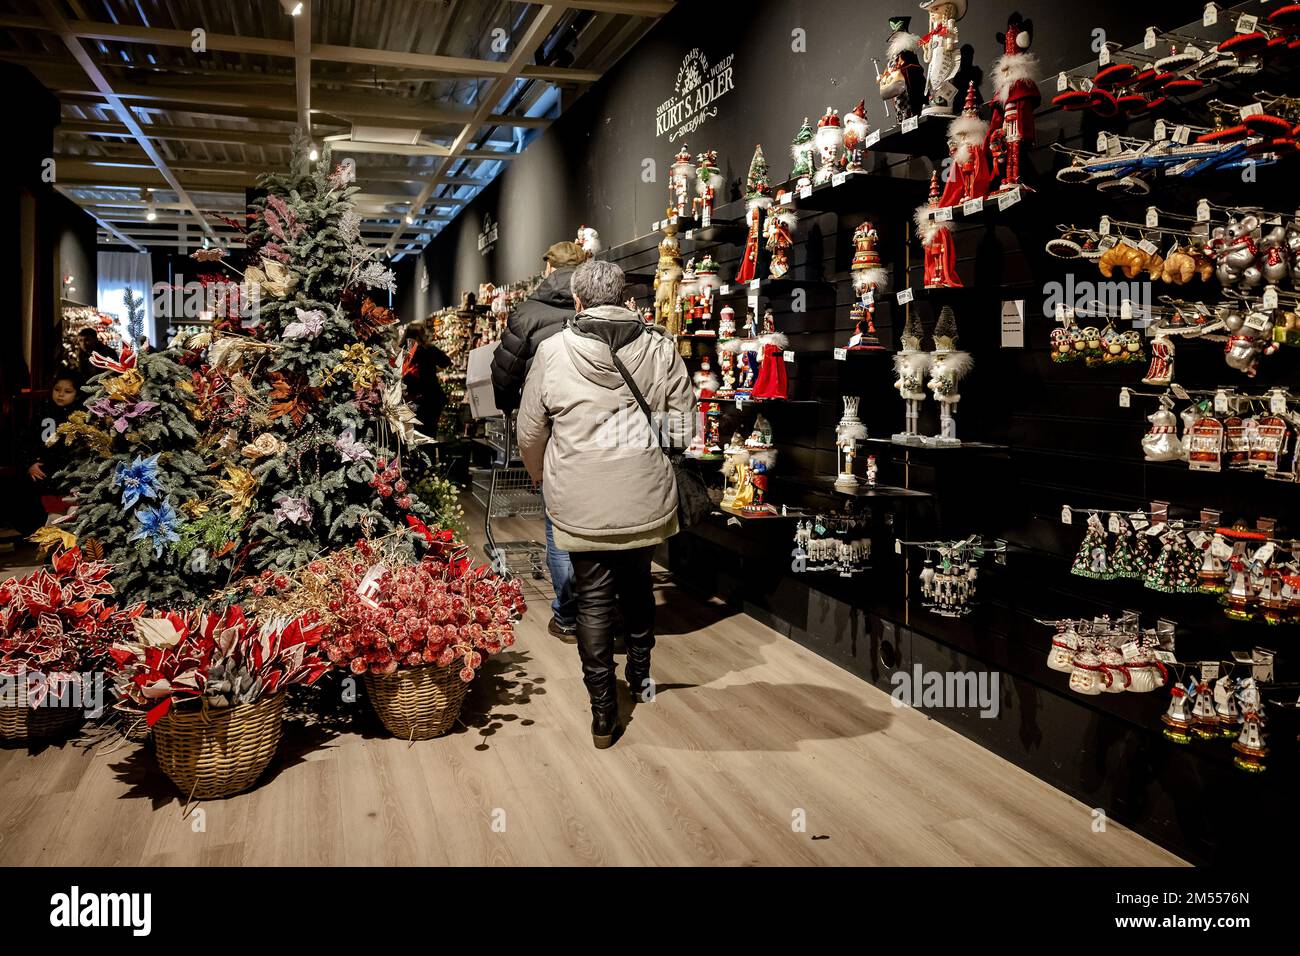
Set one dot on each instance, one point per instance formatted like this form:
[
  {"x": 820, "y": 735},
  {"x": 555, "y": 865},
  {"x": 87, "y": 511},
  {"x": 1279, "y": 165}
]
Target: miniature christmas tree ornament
[{"x": 801, "y": 150}]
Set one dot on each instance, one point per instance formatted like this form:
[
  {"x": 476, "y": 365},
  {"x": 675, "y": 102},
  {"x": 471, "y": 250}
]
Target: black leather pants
[{"x": 606, "y": 582}]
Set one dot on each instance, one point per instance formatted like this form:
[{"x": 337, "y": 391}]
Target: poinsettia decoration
[
  {"x": 292, "y": 397},
  {"x": 221, "y": 659},
  {"x": 57, "y": 620}
]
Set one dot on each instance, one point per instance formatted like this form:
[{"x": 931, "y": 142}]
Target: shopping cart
[{"x": 506, "y": 491}]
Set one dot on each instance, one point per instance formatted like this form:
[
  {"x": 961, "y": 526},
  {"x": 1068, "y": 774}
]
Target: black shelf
[
  {"x": 990, "y": 211},
  {"x": 827, "y": 486},
  {"x": 863, "y": 192},
  {"x": 767, "y": 288},
  {"x": 976, "y": 446},
  {"x": 930, "y": 138}
]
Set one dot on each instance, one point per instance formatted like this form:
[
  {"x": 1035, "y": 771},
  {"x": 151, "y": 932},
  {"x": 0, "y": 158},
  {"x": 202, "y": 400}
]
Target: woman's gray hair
[{"x": 598, "y": 283}]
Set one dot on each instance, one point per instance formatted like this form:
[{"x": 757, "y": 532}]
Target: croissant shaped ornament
[
  {"x": 401, "y": 419},
  {"x": 273, "y": 278}
]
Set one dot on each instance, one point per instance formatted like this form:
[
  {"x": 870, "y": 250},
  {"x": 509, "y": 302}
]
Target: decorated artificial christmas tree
[
  {"x": 801, "y": 150},
  {"x": 309, "y": 411},
  {"x": 145, "y": 500}
]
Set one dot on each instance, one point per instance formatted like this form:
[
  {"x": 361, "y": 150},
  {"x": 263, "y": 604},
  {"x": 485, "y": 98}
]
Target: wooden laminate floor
[{"x": 755, "y": 751}]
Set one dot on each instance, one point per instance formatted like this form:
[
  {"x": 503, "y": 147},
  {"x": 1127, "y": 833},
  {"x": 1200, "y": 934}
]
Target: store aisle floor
[{"x": 755, "y": 751}]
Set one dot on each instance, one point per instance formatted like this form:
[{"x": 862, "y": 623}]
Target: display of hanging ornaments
[
  {"x": 950, "y": 571},
  {"x": 837, "y": 544},
  {"x": 1112, "y": 655}
]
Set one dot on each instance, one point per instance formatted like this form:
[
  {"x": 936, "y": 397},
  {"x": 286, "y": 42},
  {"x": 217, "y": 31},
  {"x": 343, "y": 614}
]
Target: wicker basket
[
  {"x": 218, "y": 752},
  {"x": 419, "y": 702},
  {"x": 23, "y": 723}
]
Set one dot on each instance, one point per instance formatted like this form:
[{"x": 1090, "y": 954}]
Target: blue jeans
[{"x": 565, "y": 606}]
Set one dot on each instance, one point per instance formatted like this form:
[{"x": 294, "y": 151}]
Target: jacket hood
[
  {"x": 554, "y": 290},
  {"x": 593, "y": 333}
]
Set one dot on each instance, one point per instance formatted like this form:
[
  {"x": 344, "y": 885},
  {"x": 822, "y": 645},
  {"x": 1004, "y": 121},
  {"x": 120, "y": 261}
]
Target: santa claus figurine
[
  {"x": 969, "y": 172},
  {"x": 829, "y": 142},
  {"x": 1015, "y": 97},
  {"x": 771, "y": 383},
  {"x": 779, "y": 232},
  {"x": 936, "y": 237},
  {"x": 856, "y": 128},
  {"x": 941, "y": 51},
  {"x": 757, "y": 202},
  {"x": 903, "y": 79}
]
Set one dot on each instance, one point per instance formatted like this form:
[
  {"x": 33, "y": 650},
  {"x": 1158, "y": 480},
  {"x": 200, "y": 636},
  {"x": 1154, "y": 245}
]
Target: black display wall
[{"x": 1057, "y": 434}]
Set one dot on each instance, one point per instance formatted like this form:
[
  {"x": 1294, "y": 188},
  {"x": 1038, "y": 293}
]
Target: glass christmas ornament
[
  {"x": 1249, "y": 745},
  {"x": 1087, "y": 676},
  {"x": 1092, "y": 559},
  {"x": 1225, "y": 706},
  {"x": 1178, "y": 718},
  {"x": 1061, "y": 655},
  {"x": 1116, "y": 670},
  {"x": 1205, "y": 719}
]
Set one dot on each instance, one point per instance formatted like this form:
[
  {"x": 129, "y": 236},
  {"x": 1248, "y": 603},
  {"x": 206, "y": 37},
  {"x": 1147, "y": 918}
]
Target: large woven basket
[
  {"x": 217, "y": 752},
  {"x": 22, "y": 723},
  {"x": 419, "y": 702}
]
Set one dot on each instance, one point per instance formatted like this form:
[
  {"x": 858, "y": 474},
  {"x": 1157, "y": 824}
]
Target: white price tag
[
  {"x": 1277, "y": 402},
  {"x": 787, "y": 356},
  {"x": 1125, "y": 398},
  {"x": 656, "y": 227},
  {"x": 787, "y": 199},
  {"x": 755, "y": 284},
  {"x": 1182, "y": 135},
  {"x": 1149, "y": 39},
  {"x": 1209, "y": 670},
  {"x": 943, "y": 214},
  {"x": 690, "y": 233},
  {"x": 805, "y": 193},
  {"x": 1247, "y": 22},
  {"x": 1203, "y": 211},
  {"x": 1062, "y": 82},
  {"x": 869, "y": 297},
  {"x": 911, "y": 124},
  {"x": 1179, "y": 392},
  {"x": 1153, "y": 217},
  {"x": 1166, "y": 657},
  {"x": 740, "y": 403},
  {"x": 1270, "y": 297},
  {"x": 972, "y": 207},
  {"x": 1112, "y": 524},
  {"x": 752, "y": 301},
  {"x": 872, "y": 138},
  {"x": 1220, "y": 402},
  {"x": 1103, "y": 58},
  {"x": 1259, "y": 322},
  {"x": 1149, "y": 247},
  {"x": 839, "y": 179},
  {"x": 1130, "y": 651},
  {"x": 1101, "y": 142},
  {"x": 724, "y": 290},
  {"x": 1009, "y": 198},
  {"x": 1067, "y": 516},
  {"x": 1211, "y": 15},
  {"x": 905, "y": 296},
  {"x": 1160, "y": 132},
  {"x": 1104, "y": 228},
  {"x": 1252, "y": 109},
  {"x": 841, "y": 354}
]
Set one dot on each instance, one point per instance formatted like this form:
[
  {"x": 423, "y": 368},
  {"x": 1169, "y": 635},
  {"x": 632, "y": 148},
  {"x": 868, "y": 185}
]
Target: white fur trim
[
  {"x": 710, "y": 383},
  {"x": 766, "y": 457},
  {"x": 957, "y": 363},
  {"x": 925, "y": 227},
  {"x": 1011, "y": 68},
  {"x": 902, "y": 43},
  {"x": 865, "y": 278},
  {"x": 774, "y": 338},
  {"x": 758, "y": 202},
  {"x": 787, "y": 218},
  {"x": 734, "y": 346},
  {"x": 968, "y": 128}
]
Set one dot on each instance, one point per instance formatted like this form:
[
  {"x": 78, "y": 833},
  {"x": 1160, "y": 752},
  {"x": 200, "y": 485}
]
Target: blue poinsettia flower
[
  {"x": 138, "y": 479},
  {"x": 158, "y": 526}
]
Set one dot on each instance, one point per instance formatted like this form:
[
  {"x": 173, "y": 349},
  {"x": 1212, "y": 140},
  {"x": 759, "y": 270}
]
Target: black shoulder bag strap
[{"x": 640, "y": 400}]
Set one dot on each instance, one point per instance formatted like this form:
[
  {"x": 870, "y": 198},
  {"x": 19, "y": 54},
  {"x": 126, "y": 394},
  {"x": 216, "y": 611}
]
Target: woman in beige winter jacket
[{"x": 609, "y": 488}]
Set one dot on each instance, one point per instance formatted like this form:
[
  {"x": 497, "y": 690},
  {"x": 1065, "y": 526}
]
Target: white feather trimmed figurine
[
  {"x": 757, "y": 201},
  {"x": 971, "y": 173},
  {"x": 780, "y": 237},
  {"x": 708, "y": 182},
  {"x": 1015, "y": 97},
  {"x": 771, "y": 383},
  {"x": 911, "y": 365},
  {"x": 856, "y": 128},
  {"x": 948, "y": 366},
  {"x": 936, "y": 238},
  {"x": 829, "y": 141},
  {"x": 589, "y": 240}
]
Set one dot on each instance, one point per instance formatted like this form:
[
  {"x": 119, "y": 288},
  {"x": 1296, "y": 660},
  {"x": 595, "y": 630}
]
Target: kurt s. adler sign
[{"x": 698, "y": 87}]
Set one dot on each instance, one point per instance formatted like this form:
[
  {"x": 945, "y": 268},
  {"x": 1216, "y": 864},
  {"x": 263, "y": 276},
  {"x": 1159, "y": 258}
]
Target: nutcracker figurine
[
  {"x": 708, "y": 180},
  {"x": 679, "y": 179},
  {"x": 668, "y": 277},
  {"x": 864, "y": 338},
  {"x": 940, "y": 49},
  {"x": 948, "y": 366},
  {"x": 936, "y": 237},
  {"x": 771, "y": 383},
  {"x": 848, "y": 433},
  {"x": 757, "y": 201},
  {"x": 728, "y": 352},
  {"x": 856, "y": 128},
  {"x": 911, "y": 364},
  {"x": 727, "y": 323},
  {"x": 762, "y": 459},
  {"x": 903, "y": 79},
  {"x": 1015, "y": 97},
  {"x": 801, "y": 149},
  {"x": 869, "y": 276},
  {"x": 708, "y": 283},
  {"x": 969, "y": 174},
  {"x": 1161, "y": 370},
  {"x": 779, "y": 233},
  {"x": 830, "y": 141}
]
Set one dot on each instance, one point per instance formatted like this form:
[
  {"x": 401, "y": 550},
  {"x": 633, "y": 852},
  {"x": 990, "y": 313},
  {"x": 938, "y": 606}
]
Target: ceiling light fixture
[
  {"x": 292, "y": 7},
  {"x": 314, "y": 154},
  {"x": 410, "y": 220},
  {"x": 150, "y": 213}
]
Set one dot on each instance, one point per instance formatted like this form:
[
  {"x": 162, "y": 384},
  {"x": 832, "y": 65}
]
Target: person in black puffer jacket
[{"x": 536, "y": 319}]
